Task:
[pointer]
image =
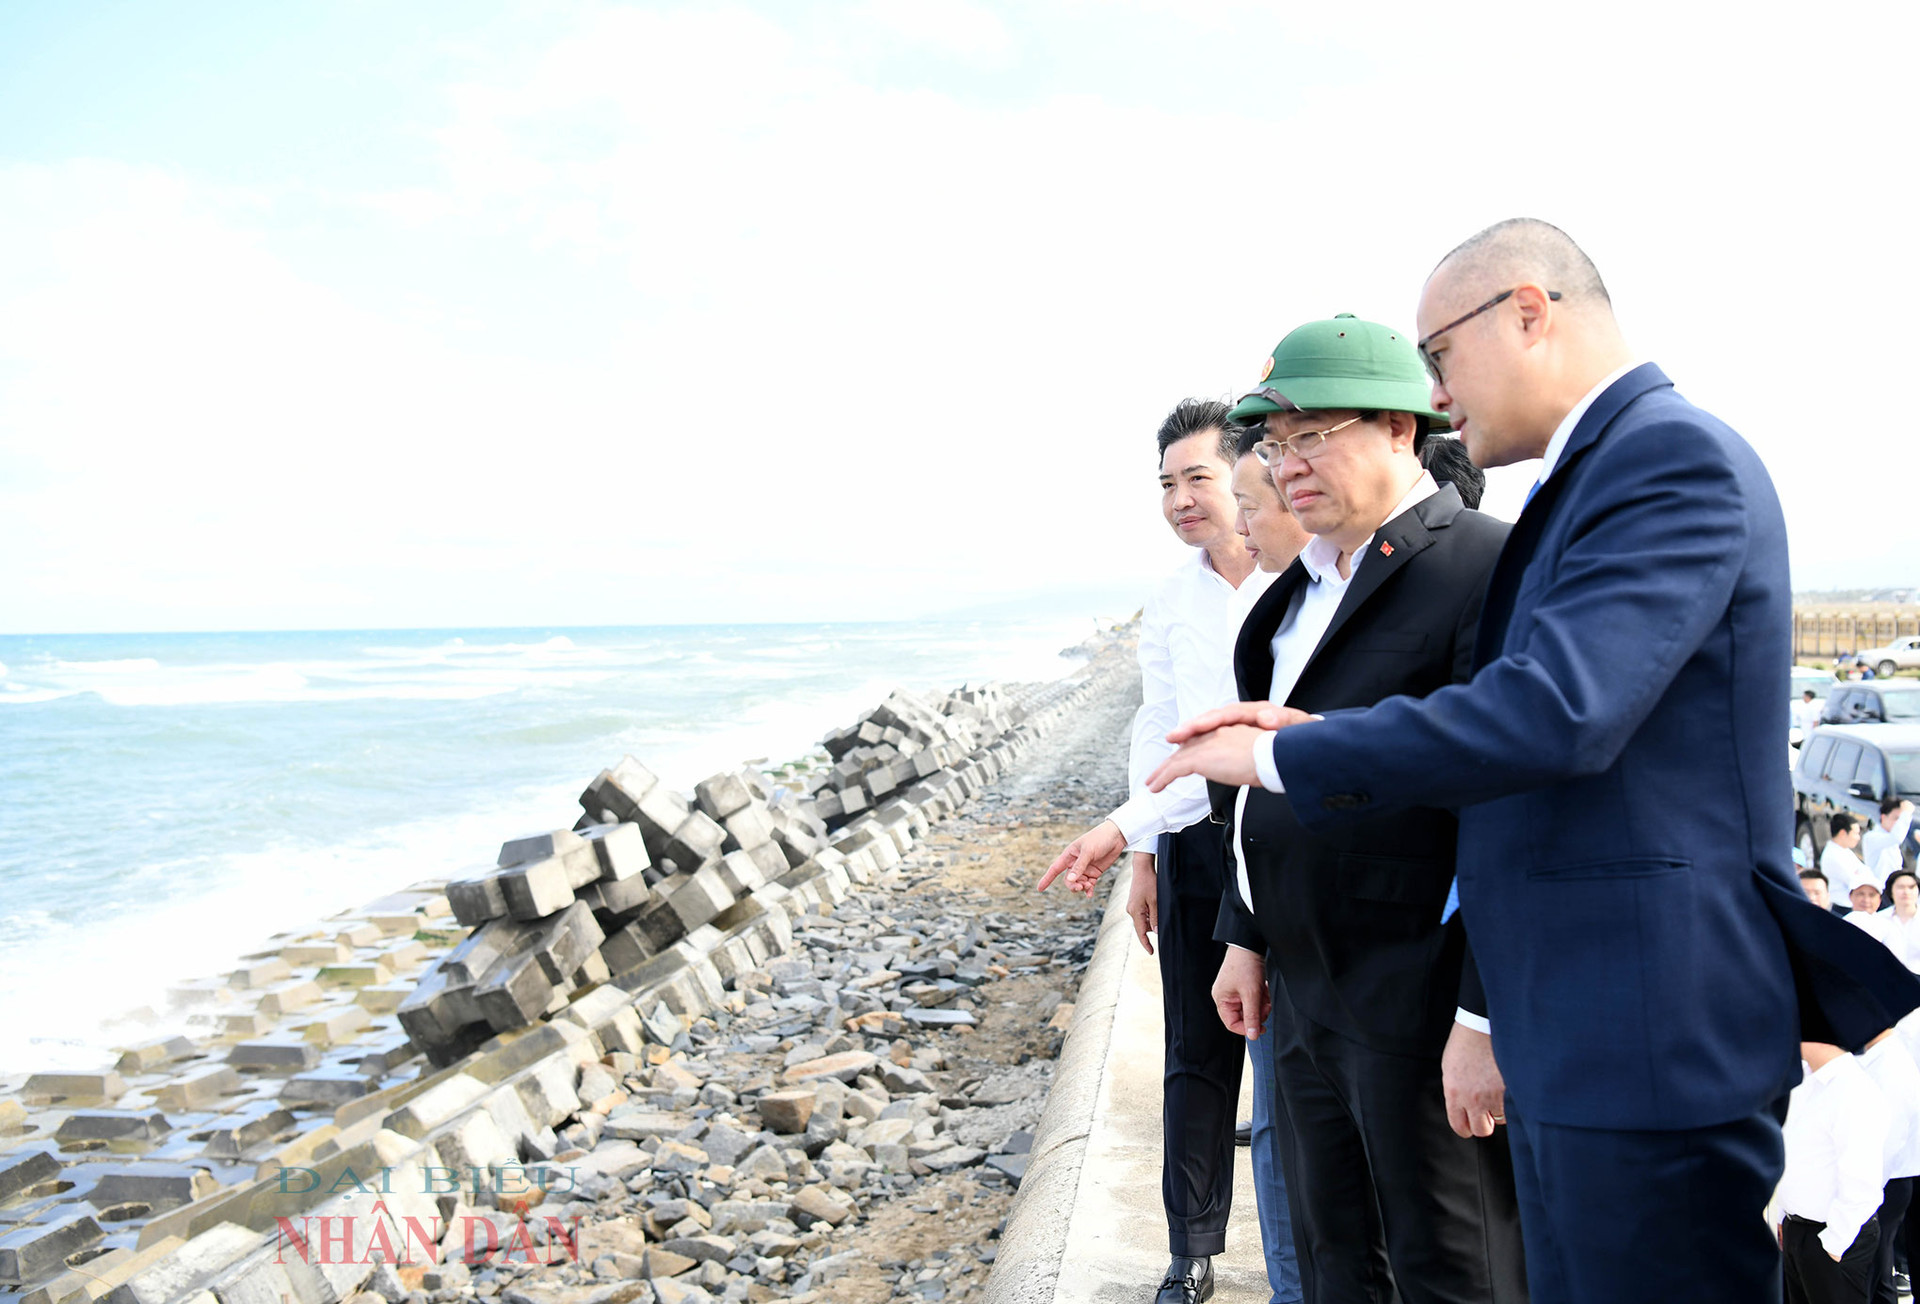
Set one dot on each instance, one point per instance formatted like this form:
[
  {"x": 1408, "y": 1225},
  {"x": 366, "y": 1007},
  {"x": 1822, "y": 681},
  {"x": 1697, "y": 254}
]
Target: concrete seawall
[{"x": 1088, "y": 1226}]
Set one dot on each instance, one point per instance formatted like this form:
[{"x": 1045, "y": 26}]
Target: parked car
[
  {"x": 1873, "y": 701},
  {"x": 1851, "y": 767},
  {"x": 1901, "y": 654}
]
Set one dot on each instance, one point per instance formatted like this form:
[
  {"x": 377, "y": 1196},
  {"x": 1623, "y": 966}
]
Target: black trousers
[
  {"x": 1385, "y": 1196},
  {"x": 1893, "y": 1213},
  {"x": 1812, "y": 1275},
  {"x": 1203, "y": 1059}
]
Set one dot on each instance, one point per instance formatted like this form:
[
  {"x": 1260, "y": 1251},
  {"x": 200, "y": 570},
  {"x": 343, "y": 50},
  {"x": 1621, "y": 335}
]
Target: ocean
[{"x": 169, "y": 801}]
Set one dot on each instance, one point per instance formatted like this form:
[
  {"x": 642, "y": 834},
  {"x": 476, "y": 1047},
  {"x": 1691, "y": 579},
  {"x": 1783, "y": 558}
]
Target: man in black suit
[{"x": 1365, "y": 979}]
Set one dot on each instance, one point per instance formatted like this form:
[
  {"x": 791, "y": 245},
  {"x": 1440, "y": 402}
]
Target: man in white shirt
[
  {"x": 1836, "y": 1137},
  {"x": 1186, "y": 640},
  {"x": 1890, "y": 1065},
  {"x": 1840, "y": 858},
  {"x": 1880, "y": 845}
]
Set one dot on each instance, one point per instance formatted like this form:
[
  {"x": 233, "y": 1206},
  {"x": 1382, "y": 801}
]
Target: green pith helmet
[{"x": 1342, "y": 363}]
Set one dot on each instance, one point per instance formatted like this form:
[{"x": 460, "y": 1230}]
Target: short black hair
[
  {"x": 1889, "y": 805},
  {"x": 1195, "y": 416},
  {"x": 1841, "y": 822},
  {"x": 1446, "y": 460},
  {"x": 1902, "y": 872},
  {"x": 1249, "y": 436},
  {"x": 1808, "y": 875}
]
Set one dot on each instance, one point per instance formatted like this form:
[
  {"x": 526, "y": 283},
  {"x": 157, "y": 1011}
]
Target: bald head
[
  {"x": 1523, "y": 250},
  {"x": 1516, "y": 328}
]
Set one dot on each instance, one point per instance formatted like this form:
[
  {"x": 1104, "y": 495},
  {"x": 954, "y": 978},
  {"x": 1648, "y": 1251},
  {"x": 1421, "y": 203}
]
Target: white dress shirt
[
  {"x": 1890, "y": 1065},
  {"x": 1903, "y": 936},
  {"x": 1845, "y": 871},
  {"x": 1874, "y": 924},
  {"x": 1836, "y": 1136},
  {"x": 1187, "y": 630},
  {"x": 1880, "y": 848}
]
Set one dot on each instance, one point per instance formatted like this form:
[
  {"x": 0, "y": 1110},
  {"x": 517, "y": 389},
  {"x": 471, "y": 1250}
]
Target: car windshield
[
  {"x": 1818, "y": 680},
  {"x": 1906, "y": 772},
  {"x": 1901, "y": 705}
]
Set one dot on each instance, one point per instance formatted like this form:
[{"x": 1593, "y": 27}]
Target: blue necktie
[{"x": 1453, "y": 889}]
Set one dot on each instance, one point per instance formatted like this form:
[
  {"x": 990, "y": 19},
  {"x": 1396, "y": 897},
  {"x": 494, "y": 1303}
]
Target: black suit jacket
[{"x": 1350, "y": 915}]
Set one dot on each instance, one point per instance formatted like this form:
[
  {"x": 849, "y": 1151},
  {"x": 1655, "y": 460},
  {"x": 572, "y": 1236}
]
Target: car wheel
[
  {"x": 1803, "y": 838},
  {"x": 1885, "y": 669}
]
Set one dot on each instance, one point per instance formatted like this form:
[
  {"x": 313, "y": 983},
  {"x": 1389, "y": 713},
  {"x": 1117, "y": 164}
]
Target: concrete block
[
  {"x": 435, "y": 1106},
  {"x": 547, "y": 1091},
  {"x": 697, "y": 841},
  {"x": 477, "y": 899},
  {"x": 538, "y": 846},
  {"x": 200, "y": 1091},
  {"x": 658, "y": 814},
  {"x": 473, "y": 1140},
  {"x": 336, "y": 1026},
  {"x": 288, "y": 997},
  {"x": 144, "y": 1057},
  {"x": 385, "y": 998},
  {"x": 626, "y": 948},
  {"x": 40, "y": 1249},
  {"x": 307, "y": 954},
  {"x": 536, "y": 890},
  {"x": 79, "y": 1088},
  {"x": 655, "y": 928},
  {"x": 112, "y": 1125},
  {"x": 722, "y": 795},
  {"x": 396, "y": 924},
  {"x": 771, "y": 859},
  {"x": 381, "y": 1051},
  {"x": 403, "y": 956},
  {"x": 619, "y": 849},
  {"x": 354, "y": 973},
  {"x": 433, "y": 1014},
  {"x": 176, "y": 1276},
  {"x": 261, "y": 973},
  {"x": 619, "y": 790},
  {"x": 359, "y": 935},
  {"x": 327, "y": 1088},
  {"x": 508, "y": 1053},
  {"x": 23, "y": 1170},
  {"x": 698, "y": 896},
  {"x": 610, "y": 898},
  {"x": 748, "y": 827},
  {"x": 740, "y": 873},
  {"x": 163, "y": 1186},
  {"x": 516, "y": 992},
  {"x": 233, "y": 1134},
  {"x": 283, "y": 1054}
]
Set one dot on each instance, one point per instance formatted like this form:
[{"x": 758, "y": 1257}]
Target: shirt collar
[
  {"x": 1558, "y": 444},
  {"x": 1321, "y": 556}
]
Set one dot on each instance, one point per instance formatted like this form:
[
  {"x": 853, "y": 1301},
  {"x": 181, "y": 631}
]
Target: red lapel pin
[{"x": 1386, "y": 549}]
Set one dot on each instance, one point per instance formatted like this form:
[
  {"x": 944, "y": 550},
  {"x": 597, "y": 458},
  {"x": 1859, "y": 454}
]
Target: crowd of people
[{"x": 1513, "y": 1036}]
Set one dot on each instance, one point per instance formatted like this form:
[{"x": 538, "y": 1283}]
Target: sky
[{"x": 348, "y": 314}]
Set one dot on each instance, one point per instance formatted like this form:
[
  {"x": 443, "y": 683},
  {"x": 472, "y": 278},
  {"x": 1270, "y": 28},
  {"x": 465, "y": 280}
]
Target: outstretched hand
[
  {"x": 1086, "y": 858},
  {"x": 1219, "y": 744}
]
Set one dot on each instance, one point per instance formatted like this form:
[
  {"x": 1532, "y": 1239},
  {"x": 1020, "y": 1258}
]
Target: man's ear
[
  {"x": 1401, "y": 428},
  {"x": 1536, "y": 309}
]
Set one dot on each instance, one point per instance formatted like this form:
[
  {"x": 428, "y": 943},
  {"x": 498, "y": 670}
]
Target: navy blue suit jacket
[{"x": 1625, "y": 807}]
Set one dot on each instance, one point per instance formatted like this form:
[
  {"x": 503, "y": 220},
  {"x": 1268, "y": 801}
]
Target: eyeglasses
[
  {"x": 1433, "y": 363},
  {"x": 1306, "y": 444}
]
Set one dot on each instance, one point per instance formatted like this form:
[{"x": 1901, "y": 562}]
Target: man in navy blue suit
[{"x": 1650, "y": 962}]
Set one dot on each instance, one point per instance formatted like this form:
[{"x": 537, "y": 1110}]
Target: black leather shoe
[
  {"x": 1189, "y": 1281},
  {"x": 1243, "y": 1134}
]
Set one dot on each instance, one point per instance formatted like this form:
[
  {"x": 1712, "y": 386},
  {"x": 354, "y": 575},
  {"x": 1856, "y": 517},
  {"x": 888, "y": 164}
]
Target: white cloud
[{"x": 871, "y": 349}]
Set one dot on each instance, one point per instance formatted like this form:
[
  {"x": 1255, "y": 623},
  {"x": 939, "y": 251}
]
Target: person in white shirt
[
  {"x": 1809, "y": 714},
  {"x": 1890, "y": 1065},
  {"x": 1900, "y": 926},
  {"x": 1880, "y": 845},
  {"x": 1836, "y": 1137},
  {"x": 1840, "y": 858},
  {"x": 1186, "y": 643}
]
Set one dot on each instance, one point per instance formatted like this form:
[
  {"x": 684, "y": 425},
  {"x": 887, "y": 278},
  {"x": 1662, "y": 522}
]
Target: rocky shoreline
[{"x": 845, "y": 1107}]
